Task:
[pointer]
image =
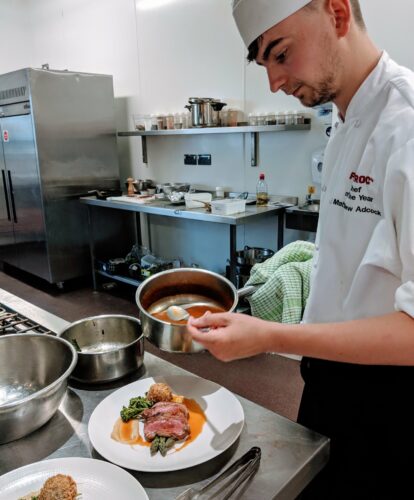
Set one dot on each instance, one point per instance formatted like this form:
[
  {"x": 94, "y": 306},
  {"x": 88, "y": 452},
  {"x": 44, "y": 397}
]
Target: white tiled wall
[{"x": 161, "y": 52}]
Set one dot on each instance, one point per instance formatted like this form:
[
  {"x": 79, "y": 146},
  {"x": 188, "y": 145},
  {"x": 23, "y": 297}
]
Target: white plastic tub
[
  {"x": 192, "y": 200},
  {"x": 228, "y": 206}
]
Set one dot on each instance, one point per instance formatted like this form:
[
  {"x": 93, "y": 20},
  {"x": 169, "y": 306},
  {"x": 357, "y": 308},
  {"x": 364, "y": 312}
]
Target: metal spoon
[{"x": 179, "y": 313}]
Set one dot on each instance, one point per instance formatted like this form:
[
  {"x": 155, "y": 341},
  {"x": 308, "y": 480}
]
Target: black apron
[{"x": 367, "y": 412}]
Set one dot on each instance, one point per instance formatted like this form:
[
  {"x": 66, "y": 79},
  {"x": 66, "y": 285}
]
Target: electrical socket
[
  {"x": 204, "y": 159},
  {"x": 190, "y": 159}
]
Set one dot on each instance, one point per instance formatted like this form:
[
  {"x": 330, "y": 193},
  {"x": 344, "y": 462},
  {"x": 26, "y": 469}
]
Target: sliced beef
[
  {"x": 174, "y": 427},
  {"x": 166, "y": 419},
  {"x": 165, "y": 409}
]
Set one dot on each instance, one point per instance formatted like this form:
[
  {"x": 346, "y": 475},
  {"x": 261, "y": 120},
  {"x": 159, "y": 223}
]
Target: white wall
[
  {"x": 16, "y": 48},
  {"x": 161, "y": 52}
]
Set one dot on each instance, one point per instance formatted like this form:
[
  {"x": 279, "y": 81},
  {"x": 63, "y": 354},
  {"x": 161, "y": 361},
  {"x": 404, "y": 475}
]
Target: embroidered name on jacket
[{"x": 359, "y": 198}]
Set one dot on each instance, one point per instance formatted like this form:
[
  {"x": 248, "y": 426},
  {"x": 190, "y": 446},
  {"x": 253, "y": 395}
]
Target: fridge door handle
[
  {"x": 3, "y": 174},
  {"x": 12, "y": 197}
]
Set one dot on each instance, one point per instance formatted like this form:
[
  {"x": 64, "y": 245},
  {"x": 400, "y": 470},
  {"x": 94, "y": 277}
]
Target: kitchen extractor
[{"x": 58, "y": 140}]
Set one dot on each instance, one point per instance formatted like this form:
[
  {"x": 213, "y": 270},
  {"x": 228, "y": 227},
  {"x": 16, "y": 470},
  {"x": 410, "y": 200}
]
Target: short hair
[{"x": 253, "y": 49}]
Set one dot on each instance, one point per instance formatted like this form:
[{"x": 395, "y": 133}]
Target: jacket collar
[{"x": 368, "y": 91}]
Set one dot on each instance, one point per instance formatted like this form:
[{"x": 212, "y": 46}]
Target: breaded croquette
[
  {"x": 159, "y": 392},
  {"x": 59, "y": 487}
]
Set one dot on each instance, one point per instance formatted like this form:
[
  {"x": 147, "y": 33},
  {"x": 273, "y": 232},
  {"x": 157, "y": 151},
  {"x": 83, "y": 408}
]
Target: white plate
[
  {"x": 94, "y": 478},
  {"x": 225, "y": 420}
]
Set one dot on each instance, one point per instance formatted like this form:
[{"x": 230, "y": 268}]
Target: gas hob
[
  {"x": 19, "y": 316},
  {"x": 14, "y": 322}
]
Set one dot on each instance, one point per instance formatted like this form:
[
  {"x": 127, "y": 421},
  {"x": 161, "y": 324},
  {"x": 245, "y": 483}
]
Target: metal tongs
[{"x": 241, "y": 470}]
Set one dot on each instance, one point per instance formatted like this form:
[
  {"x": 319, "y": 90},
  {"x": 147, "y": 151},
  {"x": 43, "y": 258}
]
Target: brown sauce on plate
[{"x": 194, "y": 311}]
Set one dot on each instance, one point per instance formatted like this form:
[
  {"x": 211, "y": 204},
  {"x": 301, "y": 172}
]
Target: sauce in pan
[{"x": 194, "y": 311}]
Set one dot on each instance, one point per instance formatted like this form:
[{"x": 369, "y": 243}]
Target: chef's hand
[{"x": 229, "y": 335}]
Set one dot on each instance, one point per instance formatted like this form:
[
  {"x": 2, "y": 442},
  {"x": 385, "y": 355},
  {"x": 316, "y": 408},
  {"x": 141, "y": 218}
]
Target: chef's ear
[{"x": 340, "y": 12}]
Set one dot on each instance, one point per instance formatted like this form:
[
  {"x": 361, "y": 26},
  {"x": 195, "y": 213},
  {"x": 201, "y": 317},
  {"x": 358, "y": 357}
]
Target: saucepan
[
  {"x": 109, "y": 347},
  {"x": 204, "y": 289},
  {"x": 253, "y": 255}
]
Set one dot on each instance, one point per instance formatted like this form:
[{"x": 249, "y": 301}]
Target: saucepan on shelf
[
  {"x": 205, "y": 111},
  {"x": 193, "y": 290}
]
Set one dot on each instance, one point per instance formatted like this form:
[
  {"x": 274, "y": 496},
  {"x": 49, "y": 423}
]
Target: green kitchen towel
[{"x": 284, "y": 281}]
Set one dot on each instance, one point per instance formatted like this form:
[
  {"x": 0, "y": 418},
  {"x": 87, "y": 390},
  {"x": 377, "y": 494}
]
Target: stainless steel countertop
[
  {"x": 291, "y": 454},
  {"x": 161, "y": 207}
]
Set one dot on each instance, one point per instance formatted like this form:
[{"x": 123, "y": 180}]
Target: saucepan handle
[{"x": 246, "y": 291}]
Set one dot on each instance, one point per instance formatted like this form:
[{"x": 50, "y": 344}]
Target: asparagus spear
[{"x": 154, "y": 445}]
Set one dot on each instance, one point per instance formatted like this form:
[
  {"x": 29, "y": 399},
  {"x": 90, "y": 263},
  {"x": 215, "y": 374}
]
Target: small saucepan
[
  {"x": 253, "y": 255},
  {"x": 109, "y": 347},
  {"x": 178, "y": 287}
]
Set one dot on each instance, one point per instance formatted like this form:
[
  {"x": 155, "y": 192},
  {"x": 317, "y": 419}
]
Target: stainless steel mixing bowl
[
  {"x": 111, "y": 346},
  {"x": 34, "y": 369}
]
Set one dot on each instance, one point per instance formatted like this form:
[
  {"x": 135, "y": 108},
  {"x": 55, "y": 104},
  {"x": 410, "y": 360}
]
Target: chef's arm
[{"x": 383, "y": 340}]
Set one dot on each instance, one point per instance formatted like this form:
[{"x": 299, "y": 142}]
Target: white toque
[{"x": 254, "y": 17}]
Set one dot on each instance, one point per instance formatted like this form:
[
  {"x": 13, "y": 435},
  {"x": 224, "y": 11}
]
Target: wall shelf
[
  {"x": 253, "y": 130},
  {"x": 217, "y": 130}
]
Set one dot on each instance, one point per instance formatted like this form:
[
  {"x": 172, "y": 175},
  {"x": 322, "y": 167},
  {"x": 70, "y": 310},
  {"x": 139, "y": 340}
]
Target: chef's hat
[{"x": 254, "y": 17}]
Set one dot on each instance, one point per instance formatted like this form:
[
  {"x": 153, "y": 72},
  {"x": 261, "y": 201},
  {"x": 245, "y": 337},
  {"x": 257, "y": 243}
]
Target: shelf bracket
[
  {"x": 144, "y": 149},
  {"x": 254, "y": 136}
]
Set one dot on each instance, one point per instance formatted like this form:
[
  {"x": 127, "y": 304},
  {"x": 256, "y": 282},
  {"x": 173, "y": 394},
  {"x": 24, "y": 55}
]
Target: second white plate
[{"x": 94, "y": 479}]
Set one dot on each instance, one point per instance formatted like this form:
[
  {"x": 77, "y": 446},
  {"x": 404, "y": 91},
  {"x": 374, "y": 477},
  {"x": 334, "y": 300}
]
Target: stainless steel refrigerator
[{"x": 58, "y": 140}]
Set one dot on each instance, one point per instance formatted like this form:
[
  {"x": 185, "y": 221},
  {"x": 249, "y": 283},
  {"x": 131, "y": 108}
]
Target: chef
[{"x": 357, "y": 335}]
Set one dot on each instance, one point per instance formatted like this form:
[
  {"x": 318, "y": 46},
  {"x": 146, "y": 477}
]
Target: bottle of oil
[{"x": 262, "y": 193}]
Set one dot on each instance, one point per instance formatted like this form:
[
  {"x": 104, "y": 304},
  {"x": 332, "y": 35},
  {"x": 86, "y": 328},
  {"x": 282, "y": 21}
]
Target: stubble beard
[{"x": 320, "y": 93}]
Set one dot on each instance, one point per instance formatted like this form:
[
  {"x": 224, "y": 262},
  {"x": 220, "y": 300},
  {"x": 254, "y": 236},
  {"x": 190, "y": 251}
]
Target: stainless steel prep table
[
  {"x": 291, "y": 454},
  {"x": 164, "y": 208}
]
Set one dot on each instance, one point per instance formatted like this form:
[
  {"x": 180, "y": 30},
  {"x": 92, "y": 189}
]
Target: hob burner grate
[{"x": 13, "y": 322}]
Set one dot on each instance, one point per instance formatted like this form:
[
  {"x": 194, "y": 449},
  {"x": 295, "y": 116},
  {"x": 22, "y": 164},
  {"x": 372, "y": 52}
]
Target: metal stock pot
[
  {"x": 204, "y": 111},
  {"x": 182, "y": 286}
]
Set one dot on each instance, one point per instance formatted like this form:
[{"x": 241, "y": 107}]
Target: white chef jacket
[{"x": 364, "y": 252}]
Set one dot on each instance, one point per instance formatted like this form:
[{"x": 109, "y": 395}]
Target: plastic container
[
  {"x": 186, "y": 119},
  {"x": 161, "y": 122},
  {"x": 261, "y": 119},
  {"x": 252, "y": 119},
  {"x": 178, "y": 121},
  {"x": 192, "y": 200},
  {"x": 289, "y": 118},
  {"x": 232, "y": 115},
  {"x": 141, "y": 122},
  {"x": 228, "y": 206},
  {"x": 270, "y": 119},
  {"x": 280, "y": 118},
  {"x": 169, "y": 119},
  {"x": 219, "y": 192},
  {"x": 154, "y": 123},
  {"x": 223, "y": 118},
  {"x": 298, "y": 118},
  {"x": 262, "y": 193}
]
